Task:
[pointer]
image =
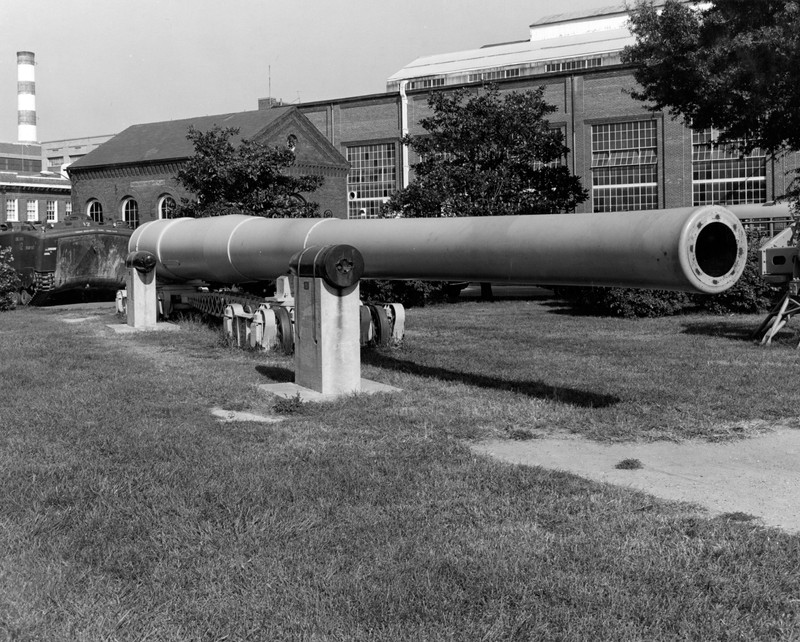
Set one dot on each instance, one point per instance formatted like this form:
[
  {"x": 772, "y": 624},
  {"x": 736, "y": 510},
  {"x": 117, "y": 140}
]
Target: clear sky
[{"x": 103, "y": 65}]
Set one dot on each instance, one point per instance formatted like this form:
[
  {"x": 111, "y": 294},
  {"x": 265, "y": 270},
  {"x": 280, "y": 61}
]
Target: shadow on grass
[
  {"x": 537, "y": 389},
  {"x": 569, "y": 309},
  {"x": 735, "y": 331},
  {"x": 276, "y": 373},
  {"x": 73, "y": 297}
]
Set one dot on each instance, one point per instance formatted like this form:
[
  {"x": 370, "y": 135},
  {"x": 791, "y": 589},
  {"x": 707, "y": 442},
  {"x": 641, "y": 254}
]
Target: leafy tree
[
  {"x": 248, "y": 178},
  {"x": 734, "y": 65},
  {"x": 486, "y": 155}
]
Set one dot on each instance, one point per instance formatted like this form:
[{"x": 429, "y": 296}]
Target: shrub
[
  {"x": 750, "y": 294},
  {"x": 624, "y": 302},
  {"x": 9, "y": 281},
  {"x": 409, "y": 293}
]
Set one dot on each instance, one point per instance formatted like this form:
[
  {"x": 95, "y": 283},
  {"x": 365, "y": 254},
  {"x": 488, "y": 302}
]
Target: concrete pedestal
[
  {"x": 142, "y": 305},
  {"x": 327, "y": 357}
]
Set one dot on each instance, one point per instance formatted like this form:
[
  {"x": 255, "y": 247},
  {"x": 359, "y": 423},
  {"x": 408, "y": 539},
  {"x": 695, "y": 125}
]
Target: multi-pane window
[
  {"x": 52, "y": 211},
  {"x": 426, "y": 83},
  {"x": 68, "y": 209},
  {"x": 95, "y": 211},
  {"x": 12, "y": 210},
  {"x": 624, "y": 166},
  {"x": 130, "y": 212},
  {"x": 372, "y": 179},
  {"x": 32, "y": 211},
  {"x": 722, "y": 174},
  {"x": 487, "y": 76},
  {"x": 167, "y": 207},
  {"x": 570, "y": 65}
]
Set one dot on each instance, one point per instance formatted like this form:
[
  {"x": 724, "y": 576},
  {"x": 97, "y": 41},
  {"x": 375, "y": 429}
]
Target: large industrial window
[
  {"x": 624, "y": 166},
  {"x": 372, "y": 179},
  {"x": 130, "y": 212},
  {"x": 32, "y": 211},
  {"x": 12, "y": 210},
  {"x": 52, "y": 211},
  {"x": 721, "y": 174}
]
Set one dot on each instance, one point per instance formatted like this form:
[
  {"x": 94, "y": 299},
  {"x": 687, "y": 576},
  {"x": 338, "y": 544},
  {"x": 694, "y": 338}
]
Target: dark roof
[{"x": 167, "y": 140}]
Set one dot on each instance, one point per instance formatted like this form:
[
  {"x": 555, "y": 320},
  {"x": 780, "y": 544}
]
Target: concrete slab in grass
[
  {"x": 124, "y": 328},
  {"x": 289, "y": 390},
  {"x": 759, "y": 476},
  {"x": 227, "y": 416}
]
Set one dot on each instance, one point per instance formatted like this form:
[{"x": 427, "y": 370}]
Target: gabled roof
[{"x": 166, "y": 140}]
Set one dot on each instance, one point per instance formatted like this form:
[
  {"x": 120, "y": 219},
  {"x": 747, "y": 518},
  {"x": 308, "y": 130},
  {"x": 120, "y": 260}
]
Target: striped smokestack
[{"x": 26, "y": 98}]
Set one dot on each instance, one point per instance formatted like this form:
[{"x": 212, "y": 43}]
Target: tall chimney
[{"x": 26, "y": 98}]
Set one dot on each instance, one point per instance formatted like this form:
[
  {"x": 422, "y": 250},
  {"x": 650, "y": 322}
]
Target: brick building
[
  {"x": 28, "y": 194},
  {"x": 131, "y": 177},
  {"x": 57, "y": 155},
  {"x": 627, "y": 157}
]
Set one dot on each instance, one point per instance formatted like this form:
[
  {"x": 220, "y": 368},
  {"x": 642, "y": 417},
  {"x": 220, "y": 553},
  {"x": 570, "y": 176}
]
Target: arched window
[
  {"x": 167, "y": 207},
  {"x": 130, "y": 212},
  {"x": 95, "y": 211}
]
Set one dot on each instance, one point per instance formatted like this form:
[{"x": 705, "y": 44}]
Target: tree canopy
[
  {"x": 733, "y": 65},
  {"x": 484, "y": 155},
  {"x": 248, "y": 178}
]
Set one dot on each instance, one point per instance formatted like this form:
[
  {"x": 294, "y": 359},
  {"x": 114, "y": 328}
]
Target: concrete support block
[
  {"x": 142, "y": 306},
  {"x": 327, "y": 354}
]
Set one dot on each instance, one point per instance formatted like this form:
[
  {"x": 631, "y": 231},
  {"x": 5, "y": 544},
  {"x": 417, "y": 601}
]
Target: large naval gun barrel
[{"x": 692, "y": 249}]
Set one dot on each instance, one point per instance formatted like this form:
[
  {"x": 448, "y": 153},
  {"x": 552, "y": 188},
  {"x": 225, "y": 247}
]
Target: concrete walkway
[{"x": 759, "y": 476}]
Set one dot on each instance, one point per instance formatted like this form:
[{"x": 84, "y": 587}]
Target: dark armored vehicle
[{"x": 73, "y": 254}]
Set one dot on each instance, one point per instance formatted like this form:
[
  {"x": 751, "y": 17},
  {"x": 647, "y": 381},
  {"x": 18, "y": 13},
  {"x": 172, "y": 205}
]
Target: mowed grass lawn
[{"x": 128, "y": 512}]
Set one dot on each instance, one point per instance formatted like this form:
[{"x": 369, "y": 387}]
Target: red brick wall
[
  {"x": 148, "y": 184},
  {"x": 597, "y": 96}
]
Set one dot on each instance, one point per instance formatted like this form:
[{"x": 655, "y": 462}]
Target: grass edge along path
[{"x": 130, "y": 517}]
